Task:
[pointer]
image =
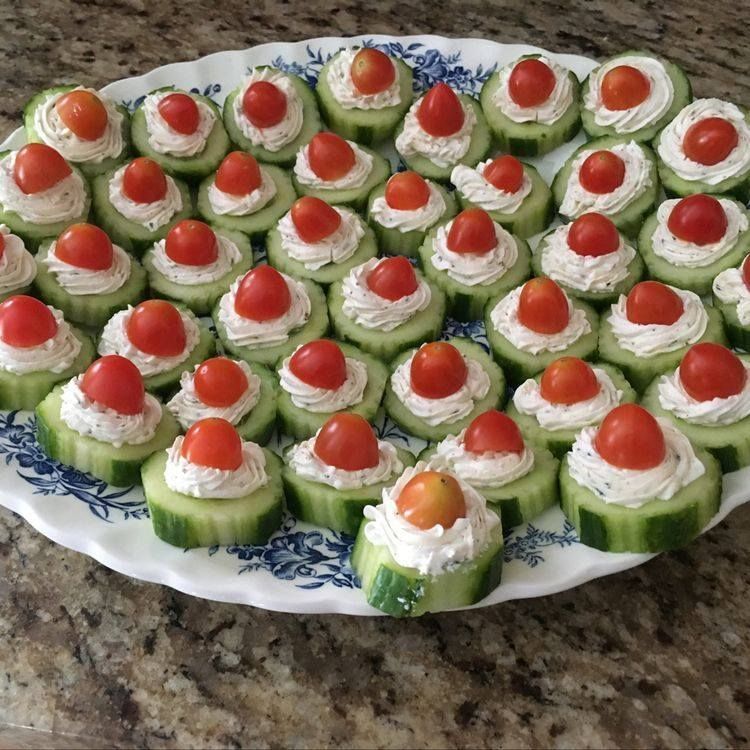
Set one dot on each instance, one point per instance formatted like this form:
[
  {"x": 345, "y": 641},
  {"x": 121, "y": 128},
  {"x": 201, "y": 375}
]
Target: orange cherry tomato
[
  {"x": 437, "y": 370},
  {"x": 543, "y": 306},
  {"x": 26, "y": 322},
  {"x": 531, "y": 82},
  {"x": 568, "y": 380},
  {"x": 372, "y": 71},
  {"x": 192, "y": 243},
  {"x": 144, "y": 181},
  {"x": 180, "y": 112},
  {"x": 710, "y": 371},
  {"x": 212, "y": 443},
  {"x": 393, "y": 278},
  {"x": 330, "y": 156},
  {"x": 651, "y": 302},
  {"x": 116, "y": 383},
  {"x": 699, "y": 219},
  {"x": 155, "y": 327},
  {"x": 710, "y": 141},
  {"x": 493, "y": 431},
  {"x": 348, "y": 442},
  {"x": 505, "y": 173},
  {"x": 630, "y": 438},
  {"x": 262, "y": 295},
  {"x": 602, "y": 172},
  {"x": 472, "y": 231},
  {"x": 85, "y": 246},
  {"x": 314, "y": 219},
  {"x": 624, "y": 87},
  {"x": 238, "y": 174},
  {"x": 319, "y": 363},
  {"x": 83, "y": 113},
  {"x": 440, "y": 112},
  {"x": 593, "y": 235},
  {"x": 407, "y": 191},
  {"x": 264, "y": 104},
  {"x": 39, "y": 167},
  {"x": 432, "y": 498},
  {"x": 219, "y": 382}
]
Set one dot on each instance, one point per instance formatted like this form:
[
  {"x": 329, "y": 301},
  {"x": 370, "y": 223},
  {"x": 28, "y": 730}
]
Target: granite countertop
[{"x": 658, "y": 656}]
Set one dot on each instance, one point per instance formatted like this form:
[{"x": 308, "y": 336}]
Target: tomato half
[
  {"x": 493, "y": 431},
  {"x": 432, "y": 498},
  {"x": 180, "y": 112},
  {"x": 710, "y": 371},
  {"x": 602, "y": 172},
  {"x": 144, "y": 181},
  {"x": 593, "y": 235},
  {"x": 330, "y": 156},
  {"x": 115, "y": 383},
  {"x": 155, "y": 327},
  {"x": 472, "y": 231},
  {"x": 219, "y": 382},
  {"x": 39, "y": 167},
  {"x": 191, "y": 243},
  {"x": 264, "y": 104},
  {"x": 348, "y": 442},
  {"x": 699, "y": 219},
  {"x": 83, "y": 113},
  {"x": 630, "y": 438},
  {"x": 624, "y": 87},
  {"x": 393, "y": 278},
  {"x": 319, "y": 363},
  {"x": 407, "y": 191},
  {"x": 440, "y": 113},
  {"x": 314, "y": 219},
  {"x": 543, "y": 306},
  {"x": 372, "y": 71},
  {"x": 85, "y": 246},
  {"x": 238, "y": 174},
  {"x": 710, "y": 141},
  {"x": 213, "y": 443},
  {"x": 263, "y": 294},
  {"x": 26, "y": 321},
  {"x": 438, "y": 370},
  {"x": 568, "y": 380},
  {"x": 651, "y": 302},
  {"x": 505, "y": 173},
  {"x": 531, "y": 82}
]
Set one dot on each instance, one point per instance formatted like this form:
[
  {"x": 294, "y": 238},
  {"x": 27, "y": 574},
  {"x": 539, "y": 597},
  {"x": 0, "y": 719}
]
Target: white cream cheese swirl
[
  {"x": 17, "y": 264},
  {"x": 409, "y": 220},
  {"x": 339, "y": 80},
  {"x": 164, "y": 139},
  {"x": 472, "y": 184},
  {"x": 354, "y": 178},
  {"x": 730, "y": 288},
  {"x": 79, "y": 281},
  {"x": 227, "y": 204},
  {"x": 149, "y": 215},
  {"x": 228, "y": 256}
]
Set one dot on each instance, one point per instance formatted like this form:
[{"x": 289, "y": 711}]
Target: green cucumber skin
[
  {"x": 657, "y": 526},
  {"x": 640, "y": 371},
  {"x": 365, "y": 126},
  {"x": 259, "y": 425},
  {"x": 738, "y": 334},
  {"x": 683, "y": 95},
  {"x": 189, "y": 522},
  {"x": 416, "y": 426}
]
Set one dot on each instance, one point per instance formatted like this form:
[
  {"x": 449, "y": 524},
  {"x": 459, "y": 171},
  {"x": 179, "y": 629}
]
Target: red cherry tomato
[
  {"x": 393, "y": 278},
  {"x": 651, "y": 302},
  {"x": 440, "y": 112},
  {"x": 602, "y": 172},
  {"x": 372, "y": 71},
  {"x": 330, "y": 156},
  {"x": 746, "y": 272},
  {"x": 238, "y": 174},
  {"x": 543, "y": 306},
  {"x": 213, "y": 443},
  {"x": 192, "y": 243},
  {"x": 83, "y": 113},
  {"x": 709, "y": 371},
  {"x": 699, "y": 219},
  {"x": 219, "y": 382},
  {"x": 116, "y": 383},
  {"x": 155, "y": 327},
  {"x": 472, "y": 231},
  {"x": 2, "y": 245},
  {"x": 314, "y": 219},
  {"x": 407, "y": 191},
  {"x": 144, "y": 181},
  {"x": 26, "y": 322},
  {"x": 710, "y": 140},
  {"x": 348, "y": 442},
  {"x": 85, "y": 246},
  {"x": 624, "y": 87},
  {"x": 39, "y": 167},
  {"x": 264, "y": 104},
  {"x": 432, "y": 498},
  {"x": 505, "y": 173},
  {"x": 531, "y": 82},
  {"x": 262, "y": 295},
  {"x": 180, "y": 112},
  {"x": 493, "y": 431},
  {"x": 630, "y": 438},
  {"x": 319, "y": 363},
  {"x": 568, "y": 380},
  {"x": 593, "y": 235},
  {"x": 437, "y": 370}
]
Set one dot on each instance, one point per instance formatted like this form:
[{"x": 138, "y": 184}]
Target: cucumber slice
[
  {"x": 366, "y": 126},
  {"x": 385, "y": 345},
  {"x": 479, "y": 146},
  {"x": 91, "y": 310},
  {"x": 254, "y": 225},
  {"x": 559, "y": 442},
  {"x": 657, "y": 526},
  {"x": 188, "y": 522},
  {"x": 284, "y": 156},
  {"x": 190, "y": 168},
  {"x": 466, "y": 302},
  {"x": 405, "y": 592},
  {"x": 323, "y": 505},
  {"x": 414, "y": 425},
  {"x": 301, "y": 423},
  {"x": 534, "y": 215},
  {"x": 26, "y": 391},
  {"x": 519, "y": 365},
  {"x": 119, "y": 466},
  {"x": 640, "y": 371},
  {"x": 395, "y": 242},
  {"x": 737, "y": 333},
  {"x": 315, "y": 328},
  {"x": 683, "y": 95}
]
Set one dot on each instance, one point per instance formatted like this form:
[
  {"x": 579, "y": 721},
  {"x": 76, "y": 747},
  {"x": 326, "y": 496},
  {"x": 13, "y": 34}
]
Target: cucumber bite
[
  {"x": 17, "y": 265},
  {"x": 731, "y": 296}
]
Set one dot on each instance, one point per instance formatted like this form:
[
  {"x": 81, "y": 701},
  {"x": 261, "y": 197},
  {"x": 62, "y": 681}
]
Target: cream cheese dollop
[
  {"x": 79, "y": 281},
  {"x": 730, "y": 288},
  {"x": 228, "y": 256},
  {"x": 471, "y": 183},
  {"x": 227, "y": 204},
  {"x": 339, "y": 80},
  {"x": 409, "y": 220},
  {"x": 17, "y": 264},
  {"x": 164, "y": 139},
  {"x": 149, "y": 215}
]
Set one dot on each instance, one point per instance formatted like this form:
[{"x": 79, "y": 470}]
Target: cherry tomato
[
  {"x": 85, "y": 246},
  {"x": 348, "y": 442},
  {"x": 709, "y": 371},
  {"x": 440, "y": 112},
  {"x": 624, "y": 87},
  {"x": 219, "y": 382},
  {"x": 531, "y": 82},
  {"x": 407, "y": 191},
  {"x": 568, "y": 380},
  {"x": 372, "y": 71},
  {"x": 2, "y": 245},
  {"x": 602, "y": 172},
  {"x": 319, "y": 363},
  {"x": 437, "y": 370},
  {"x": 543, "y": 306},
  {"x": 144, "y": 181},
  {"x": 432, "y": 498},
  {"x": 116, "y": 383},
  {"x": 155, "y": 327},
  {"x": 330, "y": 156},
  {"x": 746, "y": 272},
  {"x": 493, "y": 431},
  {"x": 262, "y": 295},
  {"x": 393, "y": 278},
  {"x": 314, "y": 219},
  {"x": 505, "y": 173},
  {"x": 238, "y": 174},
  {"x": 651, "y": 302},
  {"x": 472, "y": 231},
  {"x": 630, "y": 438},
  {"x": 39, "y": 167},
  {"x": 192, "y": 243},
  {"x": 180, "y": 112},
  {"x": 593, "y": 235},
  {"x": 710, "y": 141},
  {"x": 26, "y": 322},
  {"x": 83, "y": 113},
  {"x": 212, "y": 443},
  {"x": 699, "y": 219},
  {"x": 264, "y": 104}
]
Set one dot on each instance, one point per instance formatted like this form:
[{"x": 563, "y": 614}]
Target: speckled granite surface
[{"x": 659, "y": 656}]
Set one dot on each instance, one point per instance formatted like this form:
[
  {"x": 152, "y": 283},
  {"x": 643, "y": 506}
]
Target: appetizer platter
[{"x": 376, "y": 325}]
